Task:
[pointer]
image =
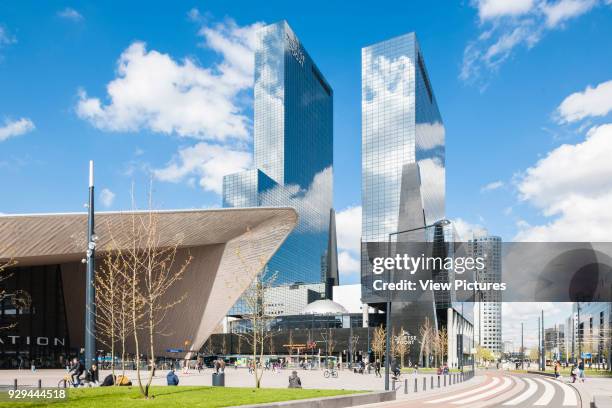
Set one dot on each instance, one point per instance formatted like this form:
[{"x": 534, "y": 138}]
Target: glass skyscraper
[
  {"x": 402, "y": 141},
  {"x": 403, "y": 178},
  {"x": 293, "y": 152}
]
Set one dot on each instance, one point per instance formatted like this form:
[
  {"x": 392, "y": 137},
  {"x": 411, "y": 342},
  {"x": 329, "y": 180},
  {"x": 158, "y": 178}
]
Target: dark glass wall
[{"x": 33, "y": 315}]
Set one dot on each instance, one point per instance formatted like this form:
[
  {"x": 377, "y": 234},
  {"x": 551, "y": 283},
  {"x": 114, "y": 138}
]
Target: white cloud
[
  {"x": 15, "y": 128},
  {"x": 348, "y": 229},
  {"x": 208, "y": 162},
  {"x": 466, "y": 230},
  {"x": 152, "y": 91},
  {"x": 348, "y": 265},
  {"x": 107, "y": 197},
  {"x": 506, "y": 25},
  {"x": 488, "y": 9},
  {"x": 70, "y": 14},
  {"x": 557, "y": 13},
  {"x": 571, "y": 186},
  {"x": 348, "y": 232},
  {"x": 494, "y": 185},
  {"x": 590, "y": 102}
]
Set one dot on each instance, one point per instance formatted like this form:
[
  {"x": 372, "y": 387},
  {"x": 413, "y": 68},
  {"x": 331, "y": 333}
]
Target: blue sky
[{"x": 522, "y": 87}]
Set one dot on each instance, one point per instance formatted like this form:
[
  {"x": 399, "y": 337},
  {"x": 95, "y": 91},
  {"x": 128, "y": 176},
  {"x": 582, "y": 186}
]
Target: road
[{"x": 498, "y": 389}]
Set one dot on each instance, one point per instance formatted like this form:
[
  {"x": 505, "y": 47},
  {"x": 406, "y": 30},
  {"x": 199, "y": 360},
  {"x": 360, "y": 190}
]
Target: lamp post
[
  {"x": 443, "y": 222},
  {"x": 90, "y": 313},
  {"x": 522, "y": 349}
]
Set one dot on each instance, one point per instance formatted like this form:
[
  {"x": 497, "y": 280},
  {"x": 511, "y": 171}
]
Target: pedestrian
[
  {"x": 172, "y": 378},
  {"x": 377, "y": 368},
  {"x": 574, "y": 373},
  {"x": 581, "y": 370},
  {"x": 557, "y": 370},
  {"x": 221, "y": 366},
  {"x": 294, "y": 380}
]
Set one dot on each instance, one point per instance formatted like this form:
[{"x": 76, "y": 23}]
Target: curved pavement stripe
[
  {"x": 549, "y": 393},
  {"x": 497, "y": 400},
  {"x": 533, "y": 387},
  {"x": 494, "y": 382},
  {"x": 569, "y": 396},
  {"x": 507, "y": 382}
]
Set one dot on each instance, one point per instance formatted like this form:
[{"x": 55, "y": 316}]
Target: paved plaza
[{"x": 233, "y": 378}]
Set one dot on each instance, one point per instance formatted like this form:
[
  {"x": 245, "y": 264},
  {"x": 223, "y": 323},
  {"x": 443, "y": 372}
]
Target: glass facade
[
  {"x": 401, "y": 125},
  {"x": 33, "y": 318},
  {"x": 293, "y": 152}
]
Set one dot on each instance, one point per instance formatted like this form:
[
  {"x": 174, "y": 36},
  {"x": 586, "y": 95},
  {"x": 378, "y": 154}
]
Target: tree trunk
[{"x": 151, "y": 348}]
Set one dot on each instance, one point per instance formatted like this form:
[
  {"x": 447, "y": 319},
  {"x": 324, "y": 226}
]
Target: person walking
[
  {"x": 581, "y": 370},
  {"x": 557, "y": 370},
  {"x": 377, "y": 368}
]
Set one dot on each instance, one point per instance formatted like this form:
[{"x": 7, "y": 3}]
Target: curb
[{"x": 339, "y": 401}]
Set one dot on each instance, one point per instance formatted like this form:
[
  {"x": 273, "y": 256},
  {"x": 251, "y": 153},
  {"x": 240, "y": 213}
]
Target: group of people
[
  {"x": 576, "y": 372},
  {"x": 76, "y": 371}
]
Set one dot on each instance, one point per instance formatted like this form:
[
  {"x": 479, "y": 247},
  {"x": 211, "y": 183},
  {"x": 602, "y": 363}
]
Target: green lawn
[{"x": 183, "y": 396}]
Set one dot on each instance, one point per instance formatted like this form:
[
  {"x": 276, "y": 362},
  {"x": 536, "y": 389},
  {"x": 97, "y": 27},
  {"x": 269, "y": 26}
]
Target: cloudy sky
[{"x": 164, "y": 90}]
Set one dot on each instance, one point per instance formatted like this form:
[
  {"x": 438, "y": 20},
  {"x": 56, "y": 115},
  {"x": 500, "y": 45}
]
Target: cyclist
[
  {"x": 76, "y": 370},
  {"x": 395, "y": 369}
]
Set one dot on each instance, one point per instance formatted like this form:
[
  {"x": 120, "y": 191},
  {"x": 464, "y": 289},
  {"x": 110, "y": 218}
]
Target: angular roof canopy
[{"x": 34, "y": 239}]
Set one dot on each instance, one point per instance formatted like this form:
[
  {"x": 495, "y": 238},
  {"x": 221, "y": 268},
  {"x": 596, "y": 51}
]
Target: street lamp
[
  {"x": 440, "y": 223},
  {"x": 90, "y": 313}
]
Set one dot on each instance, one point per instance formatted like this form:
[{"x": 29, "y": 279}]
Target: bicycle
[
  {"x": 66, "y": 382},
  {"x": 330, "y": 373}
]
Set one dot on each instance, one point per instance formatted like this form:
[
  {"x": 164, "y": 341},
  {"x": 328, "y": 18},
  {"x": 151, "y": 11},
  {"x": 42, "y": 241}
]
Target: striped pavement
[{"x": 498, "y": 389}]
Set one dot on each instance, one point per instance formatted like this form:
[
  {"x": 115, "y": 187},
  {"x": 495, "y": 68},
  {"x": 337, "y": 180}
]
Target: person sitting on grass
[
  {"x": 172, "y": 378},
  {"x": 92, "y": 375},
  {"x": 294, "y": 380}
]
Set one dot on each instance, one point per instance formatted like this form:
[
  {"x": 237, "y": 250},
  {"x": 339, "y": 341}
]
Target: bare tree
[
  {"x": 257, "y": 332},
  {"x": 441, "y": 345},
  {"x": 427, "y": 334},
  {"x": 403, "y": 345},
  {"x": 106, "y": 288},
  {"x": 149, "y": 266},
  {"x": 379, "y": 342},
  {"x": 330, "y": 343}
]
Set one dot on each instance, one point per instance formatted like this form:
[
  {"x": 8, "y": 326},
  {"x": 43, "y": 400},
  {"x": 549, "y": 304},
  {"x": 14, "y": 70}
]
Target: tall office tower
[
  {"x": 488, "y": 308},
  {"x": 293, "y": 144},
  {"x": 403, "y": 175}
]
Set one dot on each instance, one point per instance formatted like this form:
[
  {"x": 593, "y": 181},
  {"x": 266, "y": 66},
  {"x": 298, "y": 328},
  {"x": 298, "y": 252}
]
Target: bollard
[
  {"x": 64, "y": 383},
  {"x": 405, "y": 386},
  {"x": 15, "y": 385},
  {"x": 393, "y": 385},
  {"x": 431, "y": 385},
  {"x": 39, "y": 383},
  {"x": 415, "y": 385},
  {"x": 424, "y": 384},
  {"x": 438, "y": 381},
  {"x": 445, "y": 380}
]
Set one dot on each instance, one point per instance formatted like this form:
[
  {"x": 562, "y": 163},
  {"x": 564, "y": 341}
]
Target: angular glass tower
[
  {"x": 403, "y": 177},
  {"x": 403, "y": 172},
  {"x": 293, "y": 144}
]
